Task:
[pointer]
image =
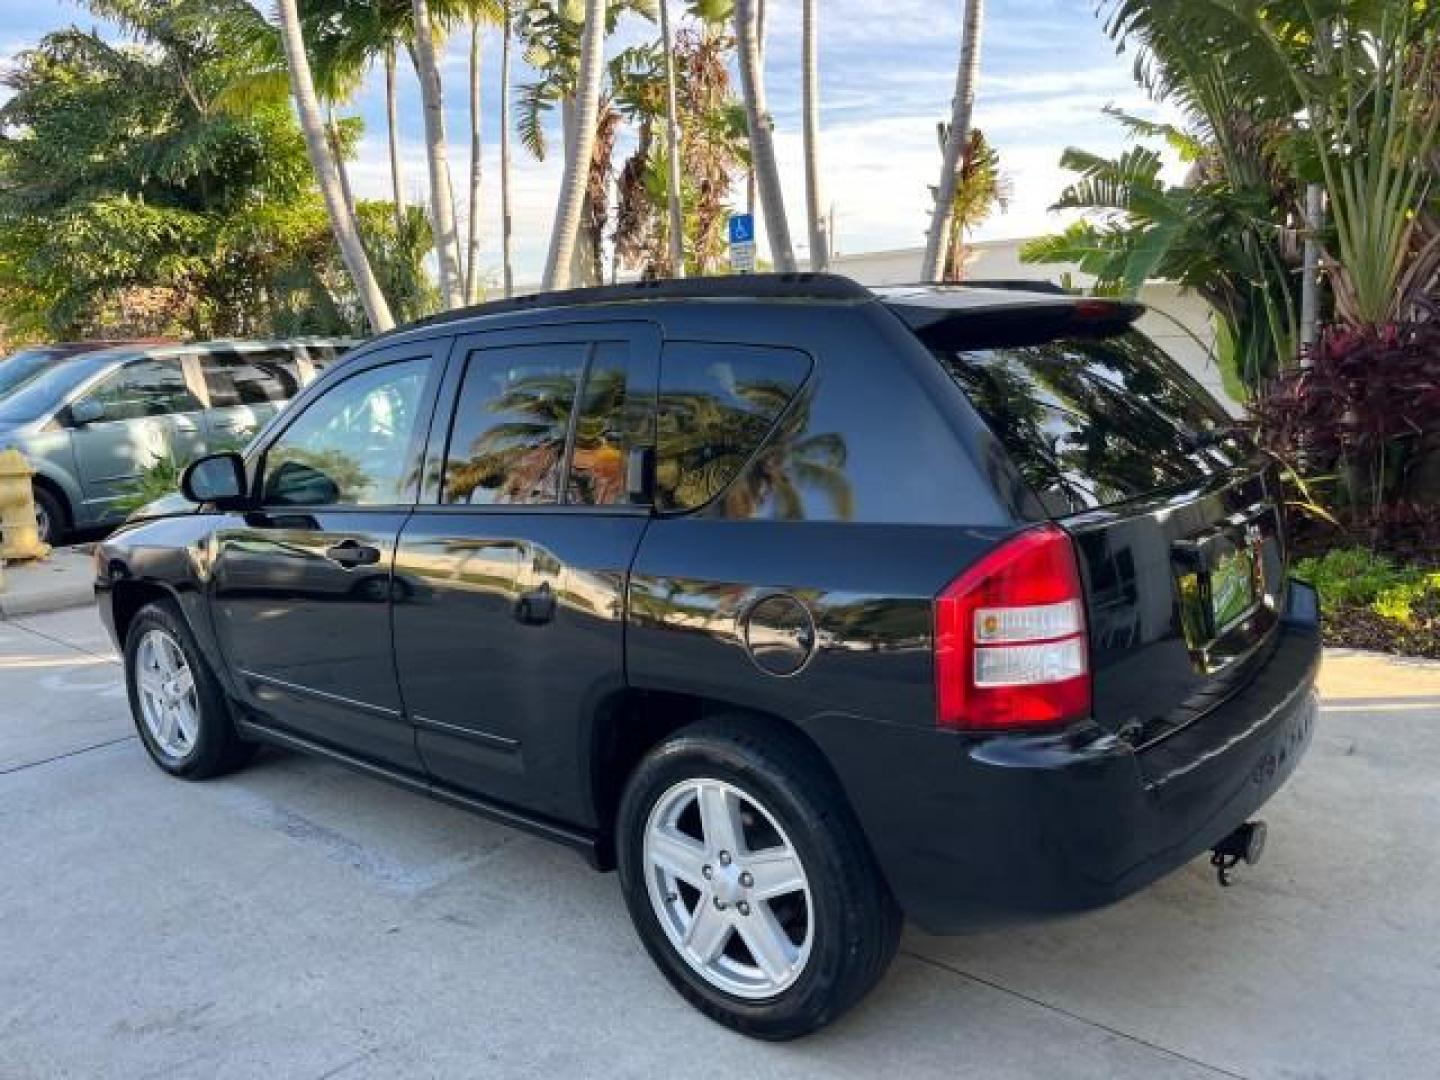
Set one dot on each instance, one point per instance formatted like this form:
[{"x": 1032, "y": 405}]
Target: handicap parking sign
[{"x": 742, "y": 228}]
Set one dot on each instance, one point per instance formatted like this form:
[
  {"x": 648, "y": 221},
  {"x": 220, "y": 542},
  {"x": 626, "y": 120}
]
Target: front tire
[
  {"x": 748, "y": 879},
  {"x": 51, "y": 520},
  {"x": 179, "y": 709}
]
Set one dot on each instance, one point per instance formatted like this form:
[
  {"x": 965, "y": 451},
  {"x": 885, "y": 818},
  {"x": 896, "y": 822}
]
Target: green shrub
[{"x": 1356, "y": 577}]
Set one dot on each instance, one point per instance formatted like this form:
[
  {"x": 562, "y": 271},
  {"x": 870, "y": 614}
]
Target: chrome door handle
[{"x": 350, "y": 553}]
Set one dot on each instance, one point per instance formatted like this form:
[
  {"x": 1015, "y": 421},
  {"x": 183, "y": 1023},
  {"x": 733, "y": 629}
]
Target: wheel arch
[
  {"x": 128, "y": 597},
  {"x": 629, "y": 724}
]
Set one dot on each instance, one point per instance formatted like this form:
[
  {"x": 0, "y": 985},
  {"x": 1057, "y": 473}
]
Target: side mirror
[
  {"x": 86, "y": 411},
  {"x": 218, "y": 479}
]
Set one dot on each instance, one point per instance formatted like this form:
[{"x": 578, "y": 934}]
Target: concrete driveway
[{"x": 296, "y": 920}]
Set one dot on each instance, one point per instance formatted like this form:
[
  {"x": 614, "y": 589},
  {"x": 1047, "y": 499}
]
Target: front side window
[
  {"x": 236, "y": 379},
  {"x": 143, "y": 389},
  {"x": 717, "y": 405},
  {"x": 350, "y": 447},
  {"x": 507, "y": 445}
]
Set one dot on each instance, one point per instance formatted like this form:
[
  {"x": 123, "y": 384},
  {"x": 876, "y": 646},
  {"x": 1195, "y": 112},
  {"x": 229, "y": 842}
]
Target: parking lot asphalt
[{"x": 297, "y": 920}]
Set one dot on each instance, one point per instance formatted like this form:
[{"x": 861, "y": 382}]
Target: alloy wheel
[
  {"x": 168, "y": 703},
  {"x": 728, "y": 888}
]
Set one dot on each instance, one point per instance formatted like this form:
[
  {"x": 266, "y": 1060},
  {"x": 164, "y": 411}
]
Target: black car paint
[{"x": 634, "y": 606}]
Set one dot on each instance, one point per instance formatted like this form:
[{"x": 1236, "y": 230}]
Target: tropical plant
[
  {"x": 982, "y": 189},
  {"x": 937, "y": 240},
  {"x": 1221, "y": 242},
  {"x": 713, "y": 147},
  {"x": 762, "y": 143},
  {"x": 133, "y": 200},
  {"x": 1360, "y": 76}
]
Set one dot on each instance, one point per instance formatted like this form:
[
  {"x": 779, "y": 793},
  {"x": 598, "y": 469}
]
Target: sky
[{"x": 887, "y": 76}]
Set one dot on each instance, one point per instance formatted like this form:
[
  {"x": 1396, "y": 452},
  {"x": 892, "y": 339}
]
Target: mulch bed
[{"x": 1361, "y": 628}]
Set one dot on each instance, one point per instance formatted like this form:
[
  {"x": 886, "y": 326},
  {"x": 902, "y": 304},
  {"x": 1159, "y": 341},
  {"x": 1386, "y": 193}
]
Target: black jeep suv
[{"x": 802, "y": 605}]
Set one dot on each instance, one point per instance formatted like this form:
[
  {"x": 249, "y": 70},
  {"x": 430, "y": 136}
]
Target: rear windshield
[{"x": 1094, "y": 422}]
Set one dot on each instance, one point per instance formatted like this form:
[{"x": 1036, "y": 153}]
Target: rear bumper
[{"x": 977, "y": 832}]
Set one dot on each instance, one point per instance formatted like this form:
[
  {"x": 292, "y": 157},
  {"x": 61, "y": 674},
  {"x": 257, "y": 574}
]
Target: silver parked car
[{"x": 91, "y": 424}]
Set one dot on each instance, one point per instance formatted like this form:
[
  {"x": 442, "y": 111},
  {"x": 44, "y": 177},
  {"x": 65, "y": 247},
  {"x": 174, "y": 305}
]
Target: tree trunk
[
  {"x": 342, "y": 169},
  {"x": 762, "y": 146},
  {"x": 347, "y": 232},
  {"x": 392, "y": 125},
  {"x": 437, "y": 154},
  {"x": 506, "y": 221},
  {"x": 477, "y": 171},
  {"x": 814, "y": 198},
  {"x": 580, "y": 148},
  {"x": 672, "y": 149},
  {"x": 937, "y": 243},
  {"x": 750, "y": 176}
]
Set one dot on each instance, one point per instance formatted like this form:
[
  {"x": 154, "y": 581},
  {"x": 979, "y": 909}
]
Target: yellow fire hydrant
[{"x": 19, "y": 536}]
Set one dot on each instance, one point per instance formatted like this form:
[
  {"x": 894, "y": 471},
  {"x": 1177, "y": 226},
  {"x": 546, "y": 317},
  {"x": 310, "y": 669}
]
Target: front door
[
  {"x": 510, "y": 575},
  {"x": 301, "y": 587}
]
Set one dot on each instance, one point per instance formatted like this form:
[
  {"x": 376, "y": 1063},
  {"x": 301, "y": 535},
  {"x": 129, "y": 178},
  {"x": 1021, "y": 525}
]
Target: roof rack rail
[{"x": 737, "y": 287}]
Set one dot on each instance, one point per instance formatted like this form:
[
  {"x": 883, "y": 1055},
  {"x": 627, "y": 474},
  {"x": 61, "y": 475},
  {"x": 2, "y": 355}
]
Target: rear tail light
[{"x": 1010, "y": 648}]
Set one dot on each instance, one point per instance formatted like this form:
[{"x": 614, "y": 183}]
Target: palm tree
[
  {"x": 437, "y": 156},
  {"x": 392, "y": 134},
  {"x": 937, "y": 241},
  {"x": 810, "y": 81},
  {"x": 477, "y": 169},
  {"x": 712, "y": 150},
  {"x": 672, "y": 148},
  {"x": 342, "y": 218},
  {"x": 580, "y": 147},
  {"x": 506, "y": 220},
  {"x": 762, "y": 145},
  {"x": 980, "y": 191}
]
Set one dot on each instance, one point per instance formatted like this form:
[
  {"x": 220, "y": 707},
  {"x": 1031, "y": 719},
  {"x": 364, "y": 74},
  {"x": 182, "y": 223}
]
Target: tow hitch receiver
[{"x": 1247, "y": 844}]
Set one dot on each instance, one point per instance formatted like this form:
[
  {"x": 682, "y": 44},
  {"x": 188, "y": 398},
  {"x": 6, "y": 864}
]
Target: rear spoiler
[{"x": 1015, "y": 319}]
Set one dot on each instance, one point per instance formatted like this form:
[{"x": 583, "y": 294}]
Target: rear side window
[
  {"x": 616, "y": 415},
  {"x": 235, "y": 379},
  {"x": 1095, "y": 422},
  {"x": 717, "y": 405},
  {"x": 523, "y": 408}
]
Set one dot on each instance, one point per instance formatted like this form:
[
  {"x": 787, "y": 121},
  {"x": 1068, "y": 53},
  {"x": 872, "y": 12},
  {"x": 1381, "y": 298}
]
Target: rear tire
[
  {"x": 179, "y": 708},
  {"x": 51, "y": 520},
  {"x": 698, "y": 906}
]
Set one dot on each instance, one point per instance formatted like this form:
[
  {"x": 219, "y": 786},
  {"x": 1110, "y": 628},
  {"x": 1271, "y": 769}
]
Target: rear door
[
  {"x": 510, "y": 576},
  {"x": 1178, "y": 521},
  {"x": 246, "y": 389}
]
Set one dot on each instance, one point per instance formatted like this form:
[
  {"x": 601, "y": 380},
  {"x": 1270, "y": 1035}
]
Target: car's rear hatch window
[{"x": 1096, "y": 421}]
